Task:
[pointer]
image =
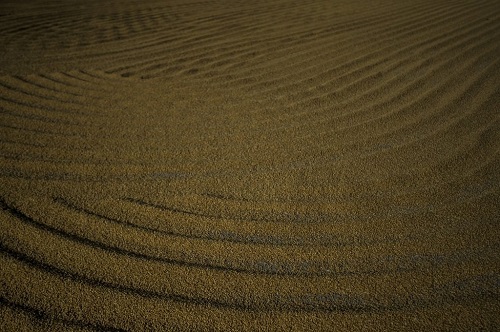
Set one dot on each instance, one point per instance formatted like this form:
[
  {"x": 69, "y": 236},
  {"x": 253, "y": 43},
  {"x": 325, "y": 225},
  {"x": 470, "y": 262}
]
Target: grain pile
[{"x": 249, "y": 165}]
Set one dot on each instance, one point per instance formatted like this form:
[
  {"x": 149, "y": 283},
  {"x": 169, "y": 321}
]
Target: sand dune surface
[{"x": 257, "y": 165}]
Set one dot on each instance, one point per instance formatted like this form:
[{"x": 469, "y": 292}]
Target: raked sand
[{"x": 280, "y": 165}]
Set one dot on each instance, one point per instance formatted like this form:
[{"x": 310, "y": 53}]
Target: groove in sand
[{"x": 266, "y": 165}]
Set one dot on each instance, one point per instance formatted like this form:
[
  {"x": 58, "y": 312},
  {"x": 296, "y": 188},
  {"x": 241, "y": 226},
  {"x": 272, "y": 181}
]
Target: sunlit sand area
[{"x": 278, "y": 165}]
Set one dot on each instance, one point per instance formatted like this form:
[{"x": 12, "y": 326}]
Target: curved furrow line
[
  {"x": 41, "y": 315},
  {"x": 40, "y": 152},
  {"x": 233, "y": 165},
  {"x": 239, "y": 36},
  {"x": 71, "y": 78},
  {"x": 46, "y": 127},
  {"x": 82, "y": 31},
  {"x": 148, "y": 52},
  {"x": 33, "y": 174},
  {"x": 36, "y": 131},
  {"x": 40, "y": 170},
  {"x": 208, "y": 198},
  {"x": 404, "y": 16},
  {"x": 23, "y": 26},
  {"x": 251, "y": 42},
  {"x": 162, "y": 52},
  {"x": 319, "y": 218},
  {"x": 149, "y": 64},
  {"x": 405, "y": 30},
  {"x": 443, "y": 107},
  {"x": 8, "y": 112},
  {"x": 232, "y": 303},
  {"x": 478, "y": 155},
  {"x": 79, "y": 278},
  {"x": 263, "y": 269},
  {"x": 375, "y": 75},
  {"x": 145, "y": 44},
  {"x": 412, "y": 95},
  {"x": 467, "y": 283},
  {"x": 37, "y": 106},
  {"x": 366, "y": 67},
  {"x": 281, "y": 303},
  {"x": 57, "y": 161},
  {"x": 62, "y": 87},
  {"x": 101, "y": 78},
  {"x": 429, "y": 97},
  {"x": 20, "y": 93},
  {"x": 466, "y": 188},
  {"x": 314, "y": 53},
  {"x": 173, "y": 233},
  {"x": 81, "y": 152},
  {"x": 353, "y": 79},
  {"x": 287, "y": 208},
  {"x": 97, "y": 245},
  {"x": 350, "y": 223},
  {"x": 426, "y": 188},
  {"x": 230, "y": 231},
  {"x": 243, "y": 265},
  {"x": 140, "y": 49},
  {"x": 377, "y": 57},
  {"x": 445, "y": 168},
  {"x": 390, "y": 87},
  {"x": 479, "y": 92},
  {"x": 470, "y": 156},
  {"x": 476, "y": 151},
  {"x": 67, "y": 85},
  {"x": 380, "y": 18},
  {"x": 34, "y": 103},
  {"x": 81, "y": 80},
  {"x": 27, "y": 22}
]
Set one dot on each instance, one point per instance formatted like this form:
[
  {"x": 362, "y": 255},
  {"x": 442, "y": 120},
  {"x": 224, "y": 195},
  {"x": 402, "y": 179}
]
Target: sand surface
[{"x": 219, "y": 165}]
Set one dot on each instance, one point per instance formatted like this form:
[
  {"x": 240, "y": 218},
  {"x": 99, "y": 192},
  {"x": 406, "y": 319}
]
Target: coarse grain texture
[{"x": 278, "y": 165}]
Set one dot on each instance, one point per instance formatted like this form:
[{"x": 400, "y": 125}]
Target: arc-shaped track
[{"x": 264, "y": 165}]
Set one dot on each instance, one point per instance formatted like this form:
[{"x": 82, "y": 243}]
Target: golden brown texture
[{"x": 250, "y": 165}]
